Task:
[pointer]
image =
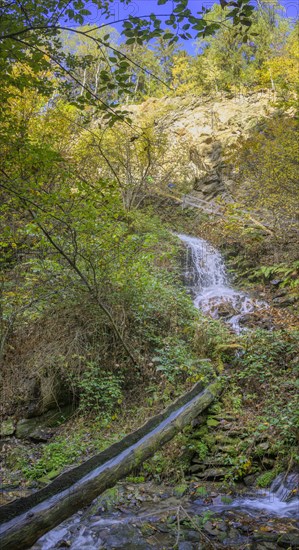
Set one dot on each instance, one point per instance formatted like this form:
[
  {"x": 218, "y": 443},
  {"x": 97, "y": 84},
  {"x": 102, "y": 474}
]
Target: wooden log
[{"x": 27, "y": 519}]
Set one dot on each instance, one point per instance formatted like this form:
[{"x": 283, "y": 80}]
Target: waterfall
[
  {"x": 206, "y": 277},
  {"x": 281, "y": 499}
]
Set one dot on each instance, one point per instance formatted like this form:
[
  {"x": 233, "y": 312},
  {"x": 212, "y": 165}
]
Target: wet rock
[
  {"x": 185, "y": 545},
  {"x": 64, "y": 544},
  {"x": 226, "y": 310},
  {"x": 250, "y": 480},
  {"x": 125, "y": 537}
]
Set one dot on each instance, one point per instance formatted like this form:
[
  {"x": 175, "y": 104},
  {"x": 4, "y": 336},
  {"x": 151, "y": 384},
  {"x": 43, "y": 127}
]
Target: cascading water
[
  {"x": 281, "y": 499},
  {"x": 206, "y": 277}
]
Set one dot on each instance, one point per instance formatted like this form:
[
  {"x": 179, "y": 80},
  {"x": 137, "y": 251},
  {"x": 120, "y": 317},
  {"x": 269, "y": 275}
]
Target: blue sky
[{"x": 290, "y": 8}]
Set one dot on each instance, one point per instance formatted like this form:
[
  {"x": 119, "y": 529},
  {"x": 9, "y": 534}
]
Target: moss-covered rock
[{"x": 7, "y": 427}]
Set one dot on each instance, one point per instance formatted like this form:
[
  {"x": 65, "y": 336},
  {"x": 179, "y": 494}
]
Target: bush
[{"x": 100, "y": 392}]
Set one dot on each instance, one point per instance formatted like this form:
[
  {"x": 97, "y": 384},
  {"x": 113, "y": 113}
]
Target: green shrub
[{"x": 100, "y": 391}]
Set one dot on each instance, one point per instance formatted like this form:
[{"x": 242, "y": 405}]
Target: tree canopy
[{"x": 32, "y": 37}]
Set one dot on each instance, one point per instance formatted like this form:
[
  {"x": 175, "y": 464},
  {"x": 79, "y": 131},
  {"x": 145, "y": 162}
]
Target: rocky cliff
[{"x": 208, "y": 128}]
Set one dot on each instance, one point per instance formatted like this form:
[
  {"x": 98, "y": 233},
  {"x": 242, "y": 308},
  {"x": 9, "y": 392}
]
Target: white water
[
  {"x": 206, "y": 276},
  {"x": 280, "y": 500}
]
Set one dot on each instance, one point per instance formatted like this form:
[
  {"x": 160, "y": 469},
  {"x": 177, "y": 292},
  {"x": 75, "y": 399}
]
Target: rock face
[{"x": 208, "y": 128}]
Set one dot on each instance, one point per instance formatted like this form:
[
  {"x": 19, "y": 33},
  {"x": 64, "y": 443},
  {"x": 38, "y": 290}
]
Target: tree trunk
[{"x": 27, "y": 519}]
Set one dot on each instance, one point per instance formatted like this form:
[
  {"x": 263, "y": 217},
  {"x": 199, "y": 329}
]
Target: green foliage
[
  {"x": 241, "y": 467},
  {"x": 157, "y": 466},
  {"x": 214, "y": 340},
  {"x": 100, "y": 392},
  {"x": 32, "y": 41},
  {"x": 269, "y": 367},
  {"x": 266, "y": 354},
  {"x": 77, "y": 442},
  {"x": 265, "y": 480},
  {"x": 174, "y": 359},
  {"x": 201, "y": 492},
  {"x": 227, "y": 62},
  {"x": 288, "y": 273},
  {"x": 55, "y": 457},
  {"x": 267, "y": 175},
  {"x": 199, "y": 447},
  {"x": 135, "y": 479}
]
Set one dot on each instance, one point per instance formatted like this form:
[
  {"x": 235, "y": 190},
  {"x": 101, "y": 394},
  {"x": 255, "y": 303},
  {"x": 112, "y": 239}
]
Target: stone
[
  {"x": 7, "y": 427},
  {"x": 197, "y": 468},
  {"x": 185, "y": 545},
  {"x": 41, "y": 435},
  {"x": 180, "y": 490},
  {"x": 250, "y": 480},
  {"x": 226, "y": 310},
  {"x": 276, "y": 282},
  {"x": 285, "y": 301},
  {"x": 193, "y": 536},
  {"x": 213, "y": 474},
  {"x": 39, "y": 428}
]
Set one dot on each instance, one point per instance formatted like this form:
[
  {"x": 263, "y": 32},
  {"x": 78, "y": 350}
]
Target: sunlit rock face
[{"x": 207, "y": 130}]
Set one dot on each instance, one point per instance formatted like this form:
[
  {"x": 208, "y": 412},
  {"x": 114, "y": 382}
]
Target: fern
[{"x": 289, "y": 273}]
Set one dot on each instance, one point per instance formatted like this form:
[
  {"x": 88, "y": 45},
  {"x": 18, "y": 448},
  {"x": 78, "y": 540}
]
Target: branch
[
  {"x": 94, "y": 294},
  {"x": 94, "y": 39},
  {"x": 74, "y": 78},
  {"x": 75, "y": 268}
]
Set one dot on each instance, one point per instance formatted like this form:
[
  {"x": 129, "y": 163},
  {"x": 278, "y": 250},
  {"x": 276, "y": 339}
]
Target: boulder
[
  {"x": 41, "y": 428},
  {"x": 7, "y": 427}
]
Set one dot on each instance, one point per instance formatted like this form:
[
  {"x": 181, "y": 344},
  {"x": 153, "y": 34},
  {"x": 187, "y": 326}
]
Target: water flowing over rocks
[
  {"x": 205, "y": 275},
  {"x": 196, "y": 515},
  {"x": 147, "y": 516}
]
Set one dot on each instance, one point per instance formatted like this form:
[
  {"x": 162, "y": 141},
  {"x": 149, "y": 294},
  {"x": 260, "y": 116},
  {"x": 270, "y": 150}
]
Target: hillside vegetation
[{"x": 94, "y": 312}]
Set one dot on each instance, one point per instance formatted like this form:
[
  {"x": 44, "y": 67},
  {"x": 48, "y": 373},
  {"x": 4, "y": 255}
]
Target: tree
[
  {"x": 141, "y": 164},
  {"x": 92, "y": 60},
  {"x": 280, "y": 70},
  {"x": 268, "y": 183},
  {"x": 42, "y": 187},
  {"x": 227, "y": 62},
  {"x": 183, "y": 74},
  {"x": 31, "y": 36}
]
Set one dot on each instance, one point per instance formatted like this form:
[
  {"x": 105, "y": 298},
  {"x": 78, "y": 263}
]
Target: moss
[
  {"x": 180, "y": 490},
  {"x": 265, "y": 480},
  {"x": 108, "y": 499},
  {"x": 201, "y": 492}
]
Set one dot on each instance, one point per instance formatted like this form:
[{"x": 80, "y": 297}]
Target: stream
[
  {"x": 148, "y": 516},
  {"x": 151, "y": 516}
]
